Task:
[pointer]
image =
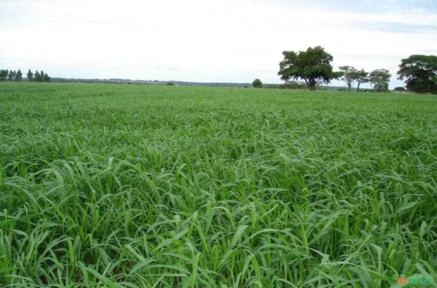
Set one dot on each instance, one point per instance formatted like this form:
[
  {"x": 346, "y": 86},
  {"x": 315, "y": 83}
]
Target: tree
[
  {"x": 420, "y": 73},
  {"x": 46, "y": 78},
  {"x": 37, "y": 76},
  {"x": 380, "y": 78},
  {"x": 19, "y": 76},
  {"x": 11, "y": 75},
  {"x": 347, "y": 75},
  {"x": 29, "y": 75},
  {"x": 3, "y": 74},
  {"x": 312, "y": 66},
  {"x": 360, "y": 76},
  {"x": 257, "y": 83}
]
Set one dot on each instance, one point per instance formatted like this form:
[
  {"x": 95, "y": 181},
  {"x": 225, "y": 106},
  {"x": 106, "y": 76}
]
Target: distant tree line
[
  {"x": 38, "y": 76},
  {"x": 313, "y": 66},
  {"x": 379, "y": 77},
  {"x": 6, "y": 75},
  {"x": 11, "y": 75}
]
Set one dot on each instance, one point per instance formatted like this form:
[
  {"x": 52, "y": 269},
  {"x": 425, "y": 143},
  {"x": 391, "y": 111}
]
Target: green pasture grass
[{"x": 153, "y": 186}]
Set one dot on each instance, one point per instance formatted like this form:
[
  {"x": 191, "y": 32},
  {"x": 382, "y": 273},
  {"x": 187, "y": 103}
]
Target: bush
[
  {"x": 292, "y": 85},
  {"x": 257, "y": 83},
  {"x": 400, "y": 89}
]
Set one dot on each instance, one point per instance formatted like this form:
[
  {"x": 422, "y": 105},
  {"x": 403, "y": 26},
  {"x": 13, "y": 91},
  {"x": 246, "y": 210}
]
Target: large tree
[
  {"x": 420, "y": 73},
  {"x": 380, "y": 79},
  {"x": 312, "y": 66}
]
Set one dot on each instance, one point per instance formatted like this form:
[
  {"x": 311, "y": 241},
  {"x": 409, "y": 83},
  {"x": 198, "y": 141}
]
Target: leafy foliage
[
  {"x": 37, "y": 76},
  {"x": 18, "y": 76},
  {"x": 11, "y": 75},
  {"x": 40, "y": 76},
  {"x": 349, "y": 74},
  {"x": 420, "y": 73},
  {"x": 29, "y": 75},
  {"x": 312, "y": 66},
  {"x": 257, "y": 83},
  {"x": 380, "y": 79},
  {"x": 360, "y": 76},
  {"x": 4, "y": 74}
]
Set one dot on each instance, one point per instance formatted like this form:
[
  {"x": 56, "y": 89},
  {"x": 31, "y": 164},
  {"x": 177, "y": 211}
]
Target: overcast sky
[{"x": 208, "y": 40}]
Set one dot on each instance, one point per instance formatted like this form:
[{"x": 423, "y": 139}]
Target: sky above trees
[{"x": 208, "y": 40}]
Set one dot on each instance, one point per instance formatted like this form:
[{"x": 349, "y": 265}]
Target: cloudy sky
[{"x": 208, "y": 40}]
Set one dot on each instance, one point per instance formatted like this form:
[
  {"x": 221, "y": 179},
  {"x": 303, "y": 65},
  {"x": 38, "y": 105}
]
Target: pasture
[{"x": 152, "y": 186}]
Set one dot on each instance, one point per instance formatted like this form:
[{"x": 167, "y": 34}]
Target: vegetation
[
  {"x": 165, "y": 186},
  {"x": 3, "y": 74},
  {"x": 257, "y": 83},
  {"x": 29, "y": 75},
  {"x": 292, "y": 85},
  {"x": 40, "y": 77},
  {"x": 11, "y": 75},
  {"x": 347, "y": 75},
  {"x": 400, "y": 89},
  {"x": 420, "y": 73},
  {"x": 350, "y": 75},
  {"x": 380, "y": 79},
  {"x": 312, "y": 66},
  {"x": 361, "y": 77},
  {"x": 6, "y": 75}
]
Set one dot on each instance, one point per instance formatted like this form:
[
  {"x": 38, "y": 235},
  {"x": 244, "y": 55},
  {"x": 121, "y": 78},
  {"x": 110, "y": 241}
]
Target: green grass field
[{"x": 153, "y": 186}]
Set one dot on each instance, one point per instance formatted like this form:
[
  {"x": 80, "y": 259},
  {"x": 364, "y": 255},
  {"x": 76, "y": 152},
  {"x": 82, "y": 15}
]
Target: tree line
[
  {"x": 11, "y": 75},
  {"x": 313, "y": 66}
]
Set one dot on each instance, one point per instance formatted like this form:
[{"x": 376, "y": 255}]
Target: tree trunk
[
  {"x": 358, "y": 86},
  {"x": 312, "y": 84}
]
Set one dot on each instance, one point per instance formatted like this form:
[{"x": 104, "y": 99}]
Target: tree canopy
[
  {"x": 257, "y": 83},
  {"x": 380, "y": 79},
  {"x": 350, "y": 75},
  {"x": 312, "y": 66},
  {"x": 29, "y": 75},
  {"x": 4, "y": 75},
  {"x": 420, "y": 73},
  {"x": 18, "y": 76},
  {"x": 360, "y": 76},
  {"x": 39, "y": 76}
]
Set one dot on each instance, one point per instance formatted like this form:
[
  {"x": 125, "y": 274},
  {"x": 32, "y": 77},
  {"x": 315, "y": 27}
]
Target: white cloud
[{"x": 197, "y": 40}]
